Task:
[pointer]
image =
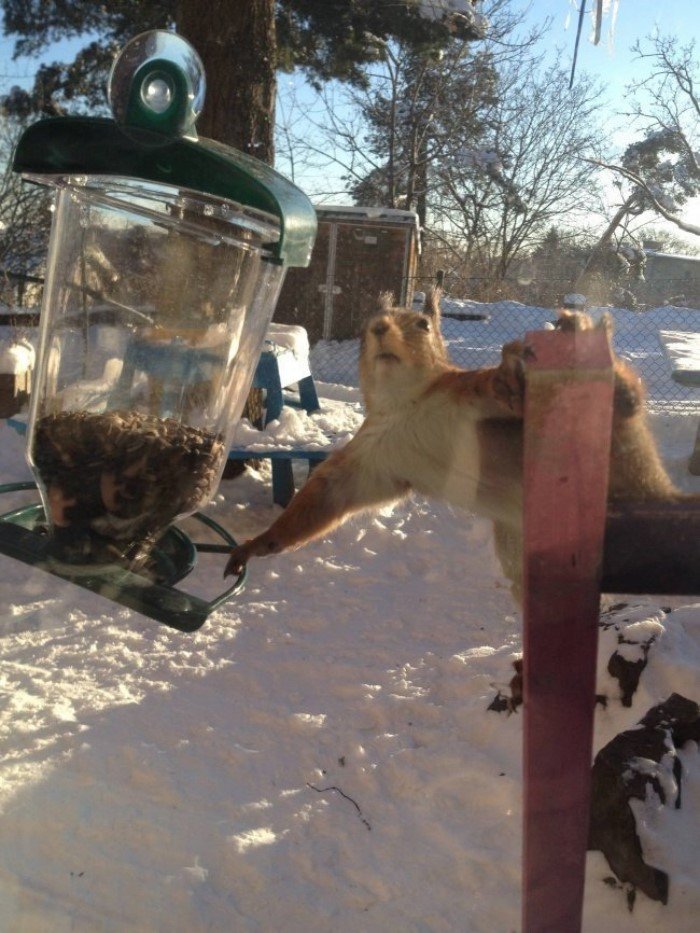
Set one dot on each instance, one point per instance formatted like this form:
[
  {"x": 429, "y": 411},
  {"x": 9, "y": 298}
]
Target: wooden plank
[
  {"x": 568, "y": 415},
  {"x": 653, "y": 547},
  {"x": 694, "y": 461},
  {"x": 683, "y": 351}
]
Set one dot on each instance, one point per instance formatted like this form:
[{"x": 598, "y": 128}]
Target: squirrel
[{"x": 451, "y": 434}]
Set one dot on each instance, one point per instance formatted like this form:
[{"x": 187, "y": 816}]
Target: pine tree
[
  {"x": 429, "y": 111},
  {"x": 242, "y": 43}
]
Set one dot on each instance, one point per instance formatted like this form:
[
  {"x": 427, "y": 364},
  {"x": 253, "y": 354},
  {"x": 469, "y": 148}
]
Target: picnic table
[{"x": 683, "y": 351}]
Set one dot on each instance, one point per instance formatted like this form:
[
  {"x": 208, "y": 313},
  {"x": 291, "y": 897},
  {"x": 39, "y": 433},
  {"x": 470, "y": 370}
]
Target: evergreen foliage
[{"x": 324, "y": 38}]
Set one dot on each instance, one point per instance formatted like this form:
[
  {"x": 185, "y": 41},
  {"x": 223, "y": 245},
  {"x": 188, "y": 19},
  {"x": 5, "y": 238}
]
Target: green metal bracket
[
  {"x": 21, "y": 539},
  {"x": 63, "y": 146}
]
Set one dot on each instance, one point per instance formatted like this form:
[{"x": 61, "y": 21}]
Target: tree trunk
[
  {"x": 236, "y": 42},
  {"x": 582, "y": 279},
  {"x": 422, "y": 182}
]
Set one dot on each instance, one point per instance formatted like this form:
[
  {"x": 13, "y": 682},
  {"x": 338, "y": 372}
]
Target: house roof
[
  {"x": 657, "y": 254},
  {"x": 384, "y": 215}
]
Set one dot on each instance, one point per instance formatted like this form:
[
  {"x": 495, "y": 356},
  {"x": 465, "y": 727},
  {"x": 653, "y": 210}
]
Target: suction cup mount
[{"x": 157, "y": 83}]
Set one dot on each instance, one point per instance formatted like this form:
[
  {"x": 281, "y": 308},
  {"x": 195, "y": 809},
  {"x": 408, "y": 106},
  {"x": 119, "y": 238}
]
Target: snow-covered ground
[{"x": 320, "y": 755}]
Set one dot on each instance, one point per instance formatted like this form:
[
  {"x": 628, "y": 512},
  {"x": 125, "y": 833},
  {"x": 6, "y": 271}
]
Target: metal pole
[{"x": 581, "y": 13}]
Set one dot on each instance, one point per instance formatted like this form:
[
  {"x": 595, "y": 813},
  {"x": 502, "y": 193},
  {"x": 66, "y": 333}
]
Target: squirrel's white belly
[
  {"x": 438, "y": 460},
  {"x": 446, "y": 456},
  {"x": 448, "y": 468}
]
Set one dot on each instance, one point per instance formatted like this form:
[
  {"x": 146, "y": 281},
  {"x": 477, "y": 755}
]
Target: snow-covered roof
[
  {"x": 383, "y": 214},
  {"x": 659, "y": 255},
  {"x": 575, "y": 299}
]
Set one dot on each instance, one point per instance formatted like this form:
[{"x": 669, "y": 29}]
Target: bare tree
[
  {"x": 660, "y": 172},
  {"x": 663, "y": 168},
  {"x": 24, "y": 216},
  {"x": 382, "y": 138},
  {"x": 528, "y": 172},
  {"x": 414, "y": 111}
]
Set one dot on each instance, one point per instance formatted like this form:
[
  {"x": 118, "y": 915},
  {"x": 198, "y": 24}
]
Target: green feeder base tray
[{"x": 23, "y": 536}]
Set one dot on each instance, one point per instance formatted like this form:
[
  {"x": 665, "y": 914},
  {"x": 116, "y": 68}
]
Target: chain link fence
[
  {"x": 20, "y": 293},
  {"x": 475, "y": 331}
]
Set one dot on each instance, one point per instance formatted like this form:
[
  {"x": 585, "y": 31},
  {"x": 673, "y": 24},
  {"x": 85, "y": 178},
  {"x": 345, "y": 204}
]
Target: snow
[
  {"x": 332, "y": 426},
  {"x": 484, "y": 159},
  {"x": 385, "y": 214},
  {"x": 667, "y": 201},
  {"x": 673, "y": 256},
  {"x": 451, "y": 11},
  {"x": 16, "y": 355},
  {"x": 289, "y": 337},
  {"x": 683, "y": 349},
  {"x": 320, "y": 754},
  {"x": 574, "y": 300}
]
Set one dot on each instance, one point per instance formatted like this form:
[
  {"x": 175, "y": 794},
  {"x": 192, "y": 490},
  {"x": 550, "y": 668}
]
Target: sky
[{"x": 611, "y": 62}]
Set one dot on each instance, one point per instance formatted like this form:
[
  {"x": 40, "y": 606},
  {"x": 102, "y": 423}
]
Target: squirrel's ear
[
  {"x": 386, "y": 301},
  {"x": 574, "y": 320},
  {"x": 606, "y": 323},
  {"x": 565, "y": 319},
  {"x": 431, "y": 306}
]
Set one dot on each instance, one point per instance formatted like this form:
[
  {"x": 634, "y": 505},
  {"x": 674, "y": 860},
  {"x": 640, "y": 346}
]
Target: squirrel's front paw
[
  {"x": 256, "y": 547},
  {"x": 238, "y": 559},
  {"x": 509, "y": 379}
]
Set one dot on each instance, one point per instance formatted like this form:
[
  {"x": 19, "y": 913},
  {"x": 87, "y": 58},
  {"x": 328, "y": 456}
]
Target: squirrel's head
[
  {"x": 400, "y": 351},
  {"x": 579, "y": 320}
]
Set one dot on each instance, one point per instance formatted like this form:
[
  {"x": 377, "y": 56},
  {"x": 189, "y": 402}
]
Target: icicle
[
  {"x": 597, "y": 20},
  {"x": 602, "y": 9},
  {"x": 613, "y": 22}
]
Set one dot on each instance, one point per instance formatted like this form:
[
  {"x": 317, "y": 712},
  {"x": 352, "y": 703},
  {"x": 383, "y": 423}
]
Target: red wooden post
[{"x": 568, "y": 414}]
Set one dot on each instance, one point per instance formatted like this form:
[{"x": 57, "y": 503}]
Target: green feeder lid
[{"x": 156, "y": 90}]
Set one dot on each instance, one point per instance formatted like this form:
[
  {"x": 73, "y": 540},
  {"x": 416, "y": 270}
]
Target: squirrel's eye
[{"x": 423, "y": 323}]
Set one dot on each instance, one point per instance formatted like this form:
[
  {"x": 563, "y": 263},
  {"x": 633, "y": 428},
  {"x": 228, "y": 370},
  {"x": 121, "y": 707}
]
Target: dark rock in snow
[
  {"x": 621, "y": 773},
  {"x": 508, "y": 703},
  {"x": 626, "y": 664},
  {"x": 627, "y": 672}
]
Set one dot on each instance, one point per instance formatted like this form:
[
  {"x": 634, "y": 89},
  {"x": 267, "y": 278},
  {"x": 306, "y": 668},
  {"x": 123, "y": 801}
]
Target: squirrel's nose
[{"x": 380, "y": 328}]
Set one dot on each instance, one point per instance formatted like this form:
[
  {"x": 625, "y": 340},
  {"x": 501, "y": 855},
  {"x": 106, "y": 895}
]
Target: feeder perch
[{"x": 166, "y": 257}]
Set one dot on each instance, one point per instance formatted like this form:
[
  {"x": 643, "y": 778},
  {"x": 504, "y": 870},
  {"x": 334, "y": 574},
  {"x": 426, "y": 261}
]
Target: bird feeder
[{"x": 166, "y": 257}]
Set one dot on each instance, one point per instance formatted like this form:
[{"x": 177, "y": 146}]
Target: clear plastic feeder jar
[{"x": 155, "y": 307}]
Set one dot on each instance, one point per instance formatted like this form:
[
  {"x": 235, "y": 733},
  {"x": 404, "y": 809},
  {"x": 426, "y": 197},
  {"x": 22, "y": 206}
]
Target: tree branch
[{"x": 635, "y": 179}]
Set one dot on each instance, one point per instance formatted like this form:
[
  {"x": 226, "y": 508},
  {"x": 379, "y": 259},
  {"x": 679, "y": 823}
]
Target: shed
[
  {"x": 359, "y": 252},
  {"x": 669, "y": 276}
]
